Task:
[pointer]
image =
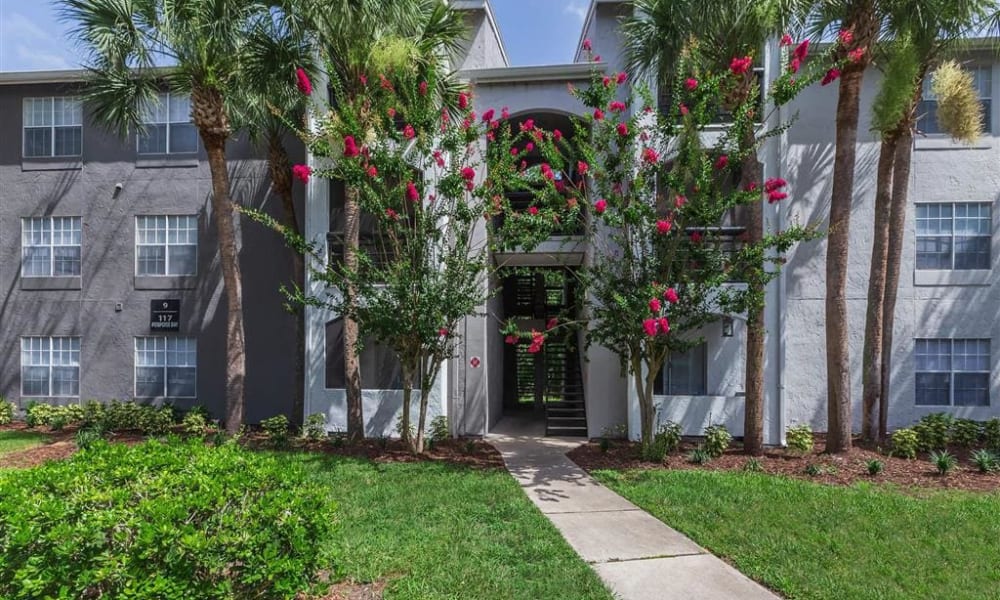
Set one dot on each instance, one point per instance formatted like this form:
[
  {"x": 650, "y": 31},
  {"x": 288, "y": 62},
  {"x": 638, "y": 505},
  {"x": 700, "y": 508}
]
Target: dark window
[
  {"x": 952, "y": 372},
  {"x": 380, "y": 370},
  {"x": 954, "y": 236},
  {"x": 685, "y": 374}
]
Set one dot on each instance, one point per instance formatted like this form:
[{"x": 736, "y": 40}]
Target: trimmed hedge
[{"x": 163, "y": 520}]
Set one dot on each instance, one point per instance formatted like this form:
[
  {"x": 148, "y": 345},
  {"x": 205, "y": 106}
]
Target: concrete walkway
[{"x": 637, "y": 556}]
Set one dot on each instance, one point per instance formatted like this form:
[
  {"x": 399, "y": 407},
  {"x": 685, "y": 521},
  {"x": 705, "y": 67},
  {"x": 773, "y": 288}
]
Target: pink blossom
[
  {"x": 671, "y": 295},
  {"x": 372, "y": 171},
  {"x": 350, "y": 147},
  {"x": 527, "y": 125},
  {"x": 691, "y": 84},
  {"x": 439, "y": 158},
  {"x": 606, "y": 81},
  {"x": 598, "y": 115},
  {"x": 846, "y": 37},
  {"x": 408, "y": 132},
  {"x": 511, "y": 339},
  {"x": 468, "y": 173},
  {"x": 392, "y": 113},
  {"x": 391, "y": 214},
  {"x": 856, "y": 55},
  {"x": 385, "y": 83},
  {"x": 617, "y": 106},
  {"x": 654, "y": 305},
  {"x": 622, "y": 129},
  {"x": 776, "y": 196},
  {"x": 774, "y": 183},
  {"x": 302, "y": 81},
  {"x": 552, "y": 323},
  {"x": 786, "y": 40},
  {"x": 794, "y": 65},
  {"x": 302, "y": 172},
  {"x": 649, "y": 326},
  {"x": 561, "y": 186},
  {"x": 664, "y": 325},
  {"x": 684, "y": 109},
  {"x": 537, "y": 340},
  {"x": 597, "y": 58},
  {"x": 696, "y": 237},
  {"x": 488, "y": 115},
  {"x": 739, "y": 66},
  {"x": 587, "y": 46},
  {"x": 722, "y": 162},
  {"x": 529, "y": 147},
  {"x": 363, "y": 79},
  {"x": 663, "y": 226},
  {"x": 443, "y": 331},
  {"x": 831, "y": 76},
  {"x": 600, "y": 206},
  {"x": 801, "y": 51},
  {"x": 557, "y": 135},
  {"x": 412, "y": 194},
  {"x": 514, "y": 151},
  {"x": 423, "y": 88},
  {"x": 505, "y": 113},
  {"x": 680, "y": 201},
  {"x": 582, "y": 167},
  {"x": 649, "y": 156},
  {"x": 547, "y": 172},
  {"x": 532, "y": 210},
  {"x": 622, "y": 77},
  {"x": 463, "y": 100}
]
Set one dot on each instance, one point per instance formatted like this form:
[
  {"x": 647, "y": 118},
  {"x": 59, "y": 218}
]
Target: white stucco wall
[{"x": 942, "y": 172}]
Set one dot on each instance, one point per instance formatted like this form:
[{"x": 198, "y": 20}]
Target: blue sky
[{"x": 535, "y": 32}]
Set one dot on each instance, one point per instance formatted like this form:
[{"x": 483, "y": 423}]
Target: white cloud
[
  {"x": 26, "y": 46},
  {"x": 576, "y": 9}
]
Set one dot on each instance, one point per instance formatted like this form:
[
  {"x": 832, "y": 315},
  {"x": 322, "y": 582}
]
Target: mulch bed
[
  {"x": 470, "y": 453},
  {"x": 841, "y": 469}
]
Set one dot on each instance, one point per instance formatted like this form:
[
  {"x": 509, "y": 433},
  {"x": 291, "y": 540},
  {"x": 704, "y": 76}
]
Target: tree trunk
[
  {"x": 646, "y": 412},
  {"x": 281, "y": 180},
  {"x": 209, "y": 116},
  {"x": 352, "y": 362},
  {"x": 404, "y": 432},
  {"x": 838, "y": 360},
  {"x": 872, "y": 370},
  {"x": 753, "y": 411},
  {"x": 897, "y": 226},
  {"x": 425, "y": 387}
]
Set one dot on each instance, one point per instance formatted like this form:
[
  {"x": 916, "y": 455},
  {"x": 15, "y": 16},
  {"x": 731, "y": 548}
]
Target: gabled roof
[
  {"x": 484, "y": 5},
  {"x": 591, "y": 11}
]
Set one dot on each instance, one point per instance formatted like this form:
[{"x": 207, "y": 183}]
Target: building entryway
[{"x": 547, "y": 384}]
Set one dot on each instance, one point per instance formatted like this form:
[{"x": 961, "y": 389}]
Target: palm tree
[
  {"x": 861, "y": 22},
  {"x": 655, "y": 39},
  {"x": 922, "y": 30},
  {"x": 268, "y": 106},
  {"x": 204, "y": 44},
  {"x": 352, "y": 37}
]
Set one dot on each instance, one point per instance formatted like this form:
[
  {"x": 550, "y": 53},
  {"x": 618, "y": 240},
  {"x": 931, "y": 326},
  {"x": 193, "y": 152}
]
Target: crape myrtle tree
[
  {"x": 663, "y": 264},
  {"x": 419, "y": 172}
]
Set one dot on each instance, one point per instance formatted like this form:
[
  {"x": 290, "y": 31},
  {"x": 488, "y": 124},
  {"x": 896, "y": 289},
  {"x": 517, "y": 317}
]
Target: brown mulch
[
  {"x": 470, "y": 453},
  {"x": 840, "y": 469},
  {"x": 349, "y": 590},
  {"x": 58, "y": 446}
]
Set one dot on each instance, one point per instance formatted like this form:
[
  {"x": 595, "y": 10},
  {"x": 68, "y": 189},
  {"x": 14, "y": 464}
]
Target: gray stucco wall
[
  {"x": 958, "y": 306},
  {"x": 108, "y": 265}
]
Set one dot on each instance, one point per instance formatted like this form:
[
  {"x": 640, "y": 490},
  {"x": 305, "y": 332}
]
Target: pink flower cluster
[
  {"x": 468, "y": 174},
  {"x": 302, "y": 81},
  {"x": 302, "y": 172},
  {"x": 798, "y": 55},
  {"x": 537, "y": 341},
  {"x": 739, "y": 66},
  {"x": 654, "y": 327},
  {"x": 831, "y": 76},
  {"x": 350, "y": 147},
  {"x": 773, "y": 188}
]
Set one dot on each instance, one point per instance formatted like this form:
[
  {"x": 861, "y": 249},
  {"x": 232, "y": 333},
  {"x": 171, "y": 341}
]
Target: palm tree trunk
[
  {"x": 872, "y": 370},
  {"x": 352, "y": 362},
  {"x": 281, "y": 181},
  {"x": 209, "y": 116},
  {"x": 753, "y": 411},
  {"x": 838, "y": 360},
  {"x": 897, "y": 225}
]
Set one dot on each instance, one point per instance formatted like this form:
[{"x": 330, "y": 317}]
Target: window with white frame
[
  {"x": 51, "y": 246},
  {"x": 953, "y": 372},
  {"x": 684, "y": 374},
  {"x": 53, "y": 127},
  {"x": 167, "y": 127},
  {"x": 166, "y": 367},
  {"x": 954, "y": 236},
  {"x": 927, "y": 111},
  {"x": 50, "y": 366},
  {"x": 166, "y": 245}
]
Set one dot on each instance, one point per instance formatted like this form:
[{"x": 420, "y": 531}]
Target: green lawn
[
  {"x": 12, "y": 441},
  {"x": 448, "y": 532},
  {"x": 815, "y": 541}
]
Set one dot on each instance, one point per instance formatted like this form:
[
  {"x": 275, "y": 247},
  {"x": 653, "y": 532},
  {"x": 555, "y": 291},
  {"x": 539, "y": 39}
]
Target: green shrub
[
  {"x": 123, "y": 416},
  {"x": 875, "y": 466},
  {"x": 172, "y": 521},
  {"x": 194, "y": 424},
  {"x": 439, "y": 429},
  {"x": 315, "y": 427},
  {"x": 944, "y": 461},
  {"x": 39, "y": 413},
  {"x": 604, "y": 444},
  {"x": 93, "y": 413},
  {"x": 700, "y": 456},
  {"x": 276, "y": 429},
  {"x": 87, "y": 436},
  {"x": 58, "y": 420},
  {"x": 991, "y": 434},
  {"x": 753, "y": 465},
  {"x": 666, "y": 439},
  {"x": 966, "y": 432},
  {"x": 934, "y": 432},
  {"x": 156, "y": 421},
  {"x": 717, "y": 440},
  {"x": 800, "y": 439},
  {"x": 6, "y": 411},
  {"x": 813, "y": 470},
  {"x": 985, "y": 461},
  {"x": 905, "y": 443}
]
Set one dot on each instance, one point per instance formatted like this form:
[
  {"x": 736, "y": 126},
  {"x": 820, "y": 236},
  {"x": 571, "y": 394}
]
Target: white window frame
[
  {"x": 76, "y": 224},
  {"x": 952, "y": 236},
  {"x": 952, "y": 371},
  {"x": 164, "y": 98},
  {"x": 51, "y": 353},
  {"x": 166, "y": 245},
  {"x": 52, "y": 127},
  {"x": 166, "y": 351}
]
